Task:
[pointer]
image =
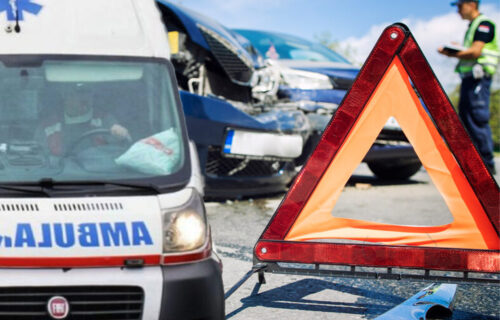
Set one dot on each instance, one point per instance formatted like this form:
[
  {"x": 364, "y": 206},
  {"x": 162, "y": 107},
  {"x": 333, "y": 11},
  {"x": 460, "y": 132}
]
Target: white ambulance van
[{"x": 101, "y": 212}]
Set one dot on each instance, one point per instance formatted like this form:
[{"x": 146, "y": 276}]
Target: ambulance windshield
[{"x": 89, "y": 119}]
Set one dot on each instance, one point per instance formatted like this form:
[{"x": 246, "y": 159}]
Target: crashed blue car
[
  {"x": 318, "y": 78},
  {"x": 246, "y": 146}
]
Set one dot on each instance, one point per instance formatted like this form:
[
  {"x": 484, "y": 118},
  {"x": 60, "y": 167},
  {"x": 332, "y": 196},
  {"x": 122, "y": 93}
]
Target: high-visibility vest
[{"x": 489, "y": 56}]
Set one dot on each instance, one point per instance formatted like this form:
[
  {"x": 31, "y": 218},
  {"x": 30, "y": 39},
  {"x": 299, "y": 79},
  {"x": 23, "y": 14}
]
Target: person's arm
[
  {"x": 473, "y": 52},
  {"x": 484, "y": 34}
]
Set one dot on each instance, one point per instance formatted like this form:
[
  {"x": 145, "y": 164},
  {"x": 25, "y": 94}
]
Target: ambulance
[{"x": 101, "y": 204}]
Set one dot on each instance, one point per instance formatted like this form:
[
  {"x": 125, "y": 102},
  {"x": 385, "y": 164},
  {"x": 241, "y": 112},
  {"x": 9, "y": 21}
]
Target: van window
[{"x": 88, "y": 118}]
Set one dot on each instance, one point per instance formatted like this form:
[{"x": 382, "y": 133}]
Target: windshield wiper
[
  {"x": 40, "y": 191},
  {"x": 49, "y": 183}
]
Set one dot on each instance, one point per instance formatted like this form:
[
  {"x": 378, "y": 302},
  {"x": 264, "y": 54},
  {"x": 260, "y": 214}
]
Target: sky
[{"x": 355, "y": 24}]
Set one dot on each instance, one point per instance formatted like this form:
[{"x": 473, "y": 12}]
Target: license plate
[{"x": 262, "y": 144}]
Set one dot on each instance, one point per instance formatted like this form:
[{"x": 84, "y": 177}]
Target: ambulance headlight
[
  {"x": 185, "y": 229},
  {"x": 298, "y": 79}
]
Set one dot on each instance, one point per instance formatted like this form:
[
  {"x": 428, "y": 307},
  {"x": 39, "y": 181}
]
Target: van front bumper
[
  {"x": 192, "y": 291},
  {"x": 184, "y": 291}
]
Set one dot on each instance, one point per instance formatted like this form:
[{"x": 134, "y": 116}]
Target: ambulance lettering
[{"x": 68, "y": 235}]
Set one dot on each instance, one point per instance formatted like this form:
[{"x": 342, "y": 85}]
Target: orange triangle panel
[{"x": 385, "y": 88}]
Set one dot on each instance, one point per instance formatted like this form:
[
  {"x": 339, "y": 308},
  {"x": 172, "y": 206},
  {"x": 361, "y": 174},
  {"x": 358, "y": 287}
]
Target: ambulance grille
[
  {"x": 107, "y": 206},
  {"x": 89, "y": 302}
]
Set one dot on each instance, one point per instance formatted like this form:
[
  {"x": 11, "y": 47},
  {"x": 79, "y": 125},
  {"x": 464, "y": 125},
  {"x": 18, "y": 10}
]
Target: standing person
[{"x": 478, "y": 62}]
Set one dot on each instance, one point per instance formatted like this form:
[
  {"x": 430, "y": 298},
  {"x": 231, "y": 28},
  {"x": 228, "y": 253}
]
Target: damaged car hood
[{"x": 214, "y": 37}]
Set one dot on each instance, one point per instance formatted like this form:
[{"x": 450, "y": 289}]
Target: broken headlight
[{"x": 298, "y": 79}]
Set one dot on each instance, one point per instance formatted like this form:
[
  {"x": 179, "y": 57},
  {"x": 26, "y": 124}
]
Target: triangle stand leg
[{"x": 257, "y": 268}]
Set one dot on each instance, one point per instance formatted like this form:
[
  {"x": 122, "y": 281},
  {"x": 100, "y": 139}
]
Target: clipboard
[{"x": 453, "y": 48}]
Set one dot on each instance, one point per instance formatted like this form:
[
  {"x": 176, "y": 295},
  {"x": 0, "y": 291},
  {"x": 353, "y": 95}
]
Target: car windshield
[
  {"x": 88, "y": 119},
  {"x": 282, "y": 46}
]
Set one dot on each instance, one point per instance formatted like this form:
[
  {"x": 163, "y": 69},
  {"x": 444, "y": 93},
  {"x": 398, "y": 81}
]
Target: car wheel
[{"x": 394, "y": 170}]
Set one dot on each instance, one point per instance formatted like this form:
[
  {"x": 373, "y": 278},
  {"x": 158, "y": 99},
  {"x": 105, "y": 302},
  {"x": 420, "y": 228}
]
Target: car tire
[{"x": 394, "y": 170}]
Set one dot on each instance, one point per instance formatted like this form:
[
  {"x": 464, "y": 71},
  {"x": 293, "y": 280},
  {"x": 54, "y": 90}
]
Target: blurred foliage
[
  {"x": 326, "y": 39},
  {"x": 494, "y": 108},
  {"x": 455, "y": 97}
]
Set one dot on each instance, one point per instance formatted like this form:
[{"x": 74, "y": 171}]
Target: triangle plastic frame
[{"x": 395, "y": 42}]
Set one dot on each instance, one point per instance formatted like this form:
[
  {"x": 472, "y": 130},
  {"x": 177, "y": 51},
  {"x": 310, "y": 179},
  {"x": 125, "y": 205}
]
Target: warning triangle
[{"x": 386, "y": 87}]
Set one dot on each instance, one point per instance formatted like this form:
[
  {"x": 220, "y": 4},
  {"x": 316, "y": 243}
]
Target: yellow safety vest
[{"x": 489, "y": 56}]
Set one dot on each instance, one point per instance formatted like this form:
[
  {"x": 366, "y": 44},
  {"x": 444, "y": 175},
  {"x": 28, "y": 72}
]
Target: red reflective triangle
[{"x": 395, "y": 58}]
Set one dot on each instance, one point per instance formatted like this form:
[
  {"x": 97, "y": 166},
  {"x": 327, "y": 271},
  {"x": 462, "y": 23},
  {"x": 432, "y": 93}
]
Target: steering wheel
[{"x": 85, "y": 136}]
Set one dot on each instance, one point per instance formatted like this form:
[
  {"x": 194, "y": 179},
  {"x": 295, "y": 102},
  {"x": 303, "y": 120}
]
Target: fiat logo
[{"x": 58, "y": 307}]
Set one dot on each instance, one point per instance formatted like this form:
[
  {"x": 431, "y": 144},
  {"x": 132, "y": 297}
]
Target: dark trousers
[{"x": 474, "y": 111}]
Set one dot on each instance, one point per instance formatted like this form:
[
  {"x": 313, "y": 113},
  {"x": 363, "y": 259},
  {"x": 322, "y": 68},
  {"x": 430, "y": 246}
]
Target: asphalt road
[{"x": 236, "y": 226}]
